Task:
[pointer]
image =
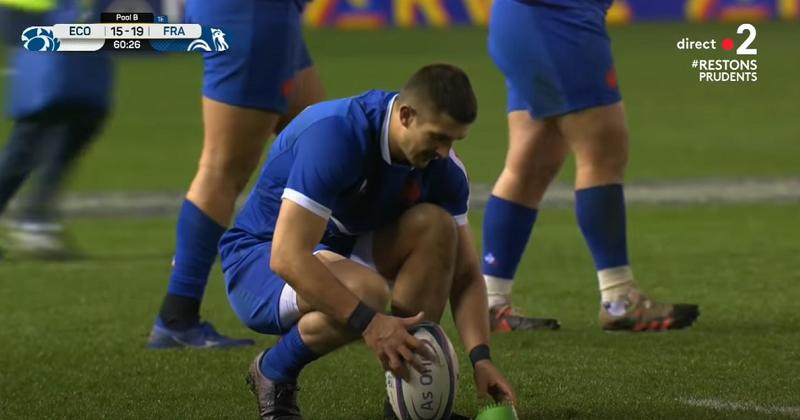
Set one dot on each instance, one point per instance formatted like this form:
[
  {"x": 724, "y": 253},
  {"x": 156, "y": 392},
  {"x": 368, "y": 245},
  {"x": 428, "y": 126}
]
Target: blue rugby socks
[
  {"x": 196, "y": 250},
  {"x": 601, "y": 216},
  {"x": 507, "y": 227},
  {"x": 290, "y": 355}
]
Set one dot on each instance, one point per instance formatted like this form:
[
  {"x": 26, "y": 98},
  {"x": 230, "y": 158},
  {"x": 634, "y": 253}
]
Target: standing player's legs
[
  {"x": 536, "y": 152},
  {"x": 535, "y": 155},
  {"x": 265, "y": 73},
  {"x": 599, "y": 138},
  {"x": 584, "y": 109}
]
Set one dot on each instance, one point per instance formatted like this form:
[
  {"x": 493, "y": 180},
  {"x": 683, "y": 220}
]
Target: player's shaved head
[{"x": 438, "y": 88}]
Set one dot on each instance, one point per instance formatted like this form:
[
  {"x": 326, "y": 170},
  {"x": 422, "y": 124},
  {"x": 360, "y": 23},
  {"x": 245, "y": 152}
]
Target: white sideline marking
[
  {"x": 683, "y": 193},
  {"x": 721, "y": 405}
]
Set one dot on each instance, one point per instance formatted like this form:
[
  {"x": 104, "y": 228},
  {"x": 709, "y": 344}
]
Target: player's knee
[
  {"x": 614, "y": 153},
  {"x": 605, "y": 163},
  {"x": 429, "y": 219},
  {"x": 540, "y": 172}
]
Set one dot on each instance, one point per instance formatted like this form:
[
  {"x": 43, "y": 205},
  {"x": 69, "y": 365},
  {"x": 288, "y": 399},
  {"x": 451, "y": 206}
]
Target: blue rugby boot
[{"x": 202, "y": 336}]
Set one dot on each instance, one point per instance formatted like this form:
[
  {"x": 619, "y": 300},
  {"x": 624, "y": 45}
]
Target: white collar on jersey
[{"x": 385, "y": 132}]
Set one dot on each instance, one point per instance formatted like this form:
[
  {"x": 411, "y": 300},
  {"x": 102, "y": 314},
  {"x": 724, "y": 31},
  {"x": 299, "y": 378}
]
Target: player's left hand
[{"x": 490, "y": 382}]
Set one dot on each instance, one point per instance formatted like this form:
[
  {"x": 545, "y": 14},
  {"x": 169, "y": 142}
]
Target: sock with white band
[
  {"x": 499, "y": 290},
  {"x": 615, "y": 282}
]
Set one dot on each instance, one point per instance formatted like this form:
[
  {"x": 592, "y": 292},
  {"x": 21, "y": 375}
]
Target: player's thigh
[
  {"x": 234, "y": 137},
  {"x": 265, "y": 40},
  {"x": 565, "y": 63},
  {"x": 266, "y": 303},
  {"x": 256, "y": 293}
]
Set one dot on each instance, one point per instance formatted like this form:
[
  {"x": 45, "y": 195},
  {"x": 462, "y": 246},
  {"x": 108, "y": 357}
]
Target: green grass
[
  {"x": 681, "y": 128},
  {"x": 73, "y": 333}
]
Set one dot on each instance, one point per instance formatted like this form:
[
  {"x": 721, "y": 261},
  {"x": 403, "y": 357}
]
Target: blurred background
[
  {"x": 681, "y": 128},
  {"x": 713, "y": 192}
]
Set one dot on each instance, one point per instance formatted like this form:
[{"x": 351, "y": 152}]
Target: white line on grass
[
  {"x": 685, "y": 193},
  {"x": 721, "y": 405}
]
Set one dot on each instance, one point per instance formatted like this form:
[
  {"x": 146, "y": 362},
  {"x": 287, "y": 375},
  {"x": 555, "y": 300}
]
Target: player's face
[{"x": 429, "y": 137}]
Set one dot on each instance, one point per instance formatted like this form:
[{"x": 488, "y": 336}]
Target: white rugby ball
[{"x": 429, "y": 395}]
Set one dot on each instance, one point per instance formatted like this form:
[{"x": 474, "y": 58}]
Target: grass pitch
[{"x": 73, "y": 333}]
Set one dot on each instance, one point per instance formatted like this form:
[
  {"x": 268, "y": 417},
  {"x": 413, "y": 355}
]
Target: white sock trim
[
  {"x": 611, "y": 282},
  {"x": 498, "y": 290}
]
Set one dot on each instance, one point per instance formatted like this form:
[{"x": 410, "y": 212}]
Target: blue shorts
[
  {"x": 254, "y": 291},
  {"x": 556, "y": 59},
  {"x": 266, "y": 51}
]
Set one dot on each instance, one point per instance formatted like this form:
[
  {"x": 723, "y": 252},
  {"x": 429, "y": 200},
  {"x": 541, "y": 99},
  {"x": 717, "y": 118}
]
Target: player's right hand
[{"x": 388, "y": 337}]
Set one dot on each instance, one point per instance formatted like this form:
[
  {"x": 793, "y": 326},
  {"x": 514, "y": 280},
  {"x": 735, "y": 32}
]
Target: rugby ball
[{"x": 429, "y": 395}]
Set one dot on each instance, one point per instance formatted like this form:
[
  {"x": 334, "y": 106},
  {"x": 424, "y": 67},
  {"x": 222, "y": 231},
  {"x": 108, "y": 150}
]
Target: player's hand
[
  {"x": 490, "y": 382},
  {"x": 388, "y": 337}
]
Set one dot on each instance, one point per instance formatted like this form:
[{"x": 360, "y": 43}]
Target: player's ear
[{"x": 407, "y": 115}]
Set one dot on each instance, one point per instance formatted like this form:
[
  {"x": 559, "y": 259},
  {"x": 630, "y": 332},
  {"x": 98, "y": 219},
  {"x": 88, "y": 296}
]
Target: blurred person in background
[{"x": 58, "y": 103}]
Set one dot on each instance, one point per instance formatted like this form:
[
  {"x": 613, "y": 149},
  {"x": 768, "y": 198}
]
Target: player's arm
[
  {"x": 468, "y": 294},
  {"x": 469, "y": 305},
  {"x": 297, "y": 232},
  {"x": 318, "y": 173}
]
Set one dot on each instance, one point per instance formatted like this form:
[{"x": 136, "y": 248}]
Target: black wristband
[
  {"x": 478, "y": 353},
  {"x": 361, "y": 317}
]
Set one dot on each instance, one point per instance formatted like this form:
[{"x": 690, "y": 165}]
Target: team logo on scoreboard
[
  {"x": 217, "y": 38},
  {"x": 40, "y": 38}
]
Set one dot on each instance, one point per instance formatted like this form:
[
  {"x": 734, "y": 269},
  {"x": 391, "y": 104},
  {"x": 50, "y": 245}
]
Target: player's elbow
[{"x": 280, "y": 263}]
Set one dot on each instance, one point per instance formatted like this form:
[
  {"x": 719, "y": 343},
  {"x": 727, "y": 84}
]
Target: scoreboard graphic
[{"x": 125, "y": 32}]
